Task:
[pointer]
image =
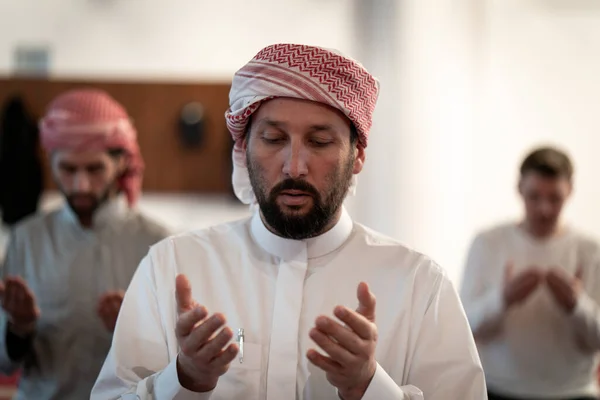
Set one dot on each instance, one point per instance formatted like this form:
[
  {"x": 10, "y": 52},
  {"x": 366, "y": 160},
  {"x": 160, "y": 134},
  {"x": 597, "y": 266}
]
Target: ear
[
  {"x": 520, "y": 186},
  {"x": 122, "y": 164},
  {"x": 359, "y": 160},
  {"x": 570, "y": 188}
]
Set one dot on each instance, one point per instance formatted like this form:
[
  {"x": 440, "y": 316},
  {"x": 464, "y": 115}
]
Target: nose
[
  {"x": 296, "y": 165},
  {"x": 546, "y": 208},
  {"x": 81, "y": 182}
]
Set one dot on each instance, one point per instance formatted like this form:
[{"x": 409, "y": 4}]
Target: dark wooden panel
[{"x": 155, "y": 108}]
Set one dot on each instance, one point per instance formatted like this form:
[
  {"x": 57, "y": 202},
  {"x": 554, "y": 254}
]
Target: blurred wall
[{"x": 177, "y": 40}]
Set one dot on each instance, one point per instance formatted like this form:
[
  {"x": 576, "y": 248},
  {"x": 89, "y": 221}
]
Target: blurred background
[{"x": 468, "y": 88}]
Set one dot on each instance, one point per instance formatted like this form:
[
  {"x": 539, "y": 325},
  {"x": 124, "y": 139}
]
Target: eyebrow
[
  {"x": 270, "y": 122},
  {"x": 281, "y": 124}
]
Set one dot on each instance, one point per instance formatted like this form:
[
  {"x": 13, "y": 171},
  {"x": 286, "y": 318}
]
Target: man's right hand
[
  {"x": 19, "y": 303},
  {"x": 203, "y": 357},
  {"x": 519, "y": 287}
]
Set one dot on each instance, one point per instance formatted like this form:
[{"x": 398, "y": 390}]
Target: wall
[{"x": 176, "y": 40}]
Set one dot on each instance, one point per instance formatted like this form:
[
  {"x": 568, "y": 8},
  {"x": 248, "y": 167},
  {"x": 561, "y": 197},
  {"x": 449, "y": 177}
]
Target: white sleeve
[
  {"x": 139, "y": 365},
  {"x": 481, "y": 294},
  {"x": 586, "y": 321},
  {"x": 444, "y": 363},
  {"x": 382, "y": 386}
]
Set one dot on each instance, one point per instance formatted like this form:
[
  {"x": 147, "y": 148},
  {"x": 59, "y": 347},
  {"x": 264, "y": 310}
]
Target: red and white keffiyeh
[
  {"x": 303, "y": 72},
  {"x": 88, "y": 120}
]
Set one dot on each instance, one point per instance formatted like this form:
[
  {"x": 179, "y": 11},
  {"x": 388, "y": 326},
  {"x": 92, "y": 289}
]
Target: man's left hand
[
  {"x": 565, "y": 289},
  {"x": 108, "y": 308},
  {"x": 351, "y": 347}
]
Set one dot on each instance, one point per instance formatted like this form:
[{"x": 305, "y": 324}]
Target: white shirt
[
  {"x": 275, "y": 288},
  {"x": 68, "y": 268},
  {"x": 535, "y": 349}
]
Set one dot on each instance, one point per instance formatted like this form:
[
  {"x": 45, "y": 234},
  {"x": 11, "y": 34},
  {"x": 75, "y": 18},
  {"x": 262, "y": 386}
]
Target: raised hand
[
  {"x": 19, "y": 304},
  {"x": 518, "y": 288},
  {"x": 564, "y": 288},
  {"x": 350, "y": 364},
  {"x": 205, "y": 355},
  {"x": 108, "y": 308}
]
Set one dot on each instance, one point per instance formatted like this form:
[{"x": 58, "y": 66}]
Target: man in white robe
[
  {"x": 297, "y": 301},
  {"x": 65, "y": 271}
]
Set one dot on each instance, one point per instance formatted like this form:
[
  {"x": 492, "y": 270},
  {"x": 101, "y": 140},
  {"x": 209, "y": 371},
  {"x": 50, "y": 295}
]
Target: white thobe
[
  {"x": 535, "y": 349},
  {"x": 68, "y": 268},
  {"x": 274, "y": 288}
]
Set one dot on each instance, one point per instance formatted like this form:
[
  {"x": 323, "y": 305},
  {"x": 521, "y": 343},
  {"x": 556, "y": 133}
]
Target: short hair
[{"x": 549, "y": 162}]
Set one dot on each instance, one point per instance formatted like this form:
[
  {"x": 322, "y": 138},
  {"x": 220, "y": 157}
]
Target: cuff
[
  {"x": 585, "y": 309},
  {"x": 168, "y": 386},
  {"x": 382, "y": 386},
  {"x": 487, "y": 314}
]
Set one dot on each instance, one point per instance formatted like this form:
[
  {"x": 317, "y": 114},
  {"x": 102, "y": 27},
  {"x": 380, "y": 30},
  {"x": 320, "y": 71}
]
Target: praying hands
[
  {"x": 565, "y": 289},
  {"x": 18, "y": 301},
  {"x": 351, "y": 363},
  {"x": 108, "y": 308}
]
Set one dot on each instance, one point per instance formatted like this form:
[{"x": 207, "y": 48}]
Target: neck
[
  {"x": 86, "y": 220},
  {"x": 540, "y": 233}
]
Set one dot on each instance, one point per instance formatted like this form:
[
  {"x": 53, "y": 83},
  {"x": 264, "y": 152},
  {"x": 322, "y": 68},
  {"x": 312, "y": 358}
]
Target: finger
[
  {"x": 335, "y": 351},
  {"x": 559, "y": 290},
  {"x": 344, "y": 335},
  {"x": 221, "y": 362},
  {"x": 20, "y": 292},
  {"x": 116, "y": 301},
  {"x": 324, "y": 363},
  {"x": 213, "y": 347},
  {"x": 525, "y": 290},
  {"x": 11, "y": 296},
  {"x": 558, "y": 278},
  {"x": 201, "y": 334},
  {"x": 579, "y": 272},
  {"x": 187, "y": 321},
  {"x": 357, "y": 323},
  {"x": 114, "y": 307},
  {"x": 183, "y": 290},
  {"x": 366, "y": 302}
]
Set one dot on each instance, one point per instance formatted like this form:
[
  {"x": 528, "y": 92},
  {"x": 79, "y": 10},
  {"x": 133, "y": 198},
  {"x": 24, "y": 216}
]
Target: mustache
[
  {"x": 73, "y": 196},
  {"x": 294, "y": 184}
]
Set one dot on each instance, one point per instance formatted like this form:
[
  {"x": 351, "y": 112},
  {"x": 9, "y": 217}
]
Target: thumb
[
  {"x": 509, "y": 271},
  {"x": 579, "y": 272},
  {"x": 366, "y": 302},
  {"x": 183, "y": 292}
]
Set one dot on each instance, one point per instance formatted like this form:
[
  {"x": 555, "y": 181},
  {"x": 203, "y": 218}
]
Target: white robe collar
[{"x": 290, "y": 249}]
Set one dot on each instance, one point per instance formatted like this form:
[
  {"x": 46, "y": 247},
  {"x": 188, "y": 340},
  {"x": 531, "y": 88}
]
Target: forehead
[
  {"x": 74, "y": 157},
  {"x": 539, "y": 182},
  {"x": 298, "y": 112}
]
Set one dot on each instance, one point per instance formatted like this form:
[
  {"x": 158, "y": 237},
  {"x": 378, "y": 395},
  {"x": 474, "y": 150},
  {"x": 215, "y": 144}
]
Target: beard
[
  {"x": 84, "y": 205},
  {"x": 296, "y": 224}
]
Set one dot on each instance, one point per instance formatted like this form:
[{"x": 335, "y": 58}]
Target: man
[
  {"x": 531, "y": 293},
  {"x": 65, "y": 271},
  {"x": 263, "y": 308}
]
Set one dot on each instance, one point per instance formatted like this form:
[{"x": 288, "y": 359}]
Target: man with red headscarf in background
[{"x": 65, "y": 271}]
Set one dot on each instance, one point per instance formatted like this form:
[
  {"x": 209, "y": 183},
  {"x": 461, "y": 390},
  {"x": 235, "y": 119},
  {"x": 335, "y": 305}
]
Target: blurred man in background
[
  {"x": 531, "y": 292},
  {"x": 65, "y": 272}
]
